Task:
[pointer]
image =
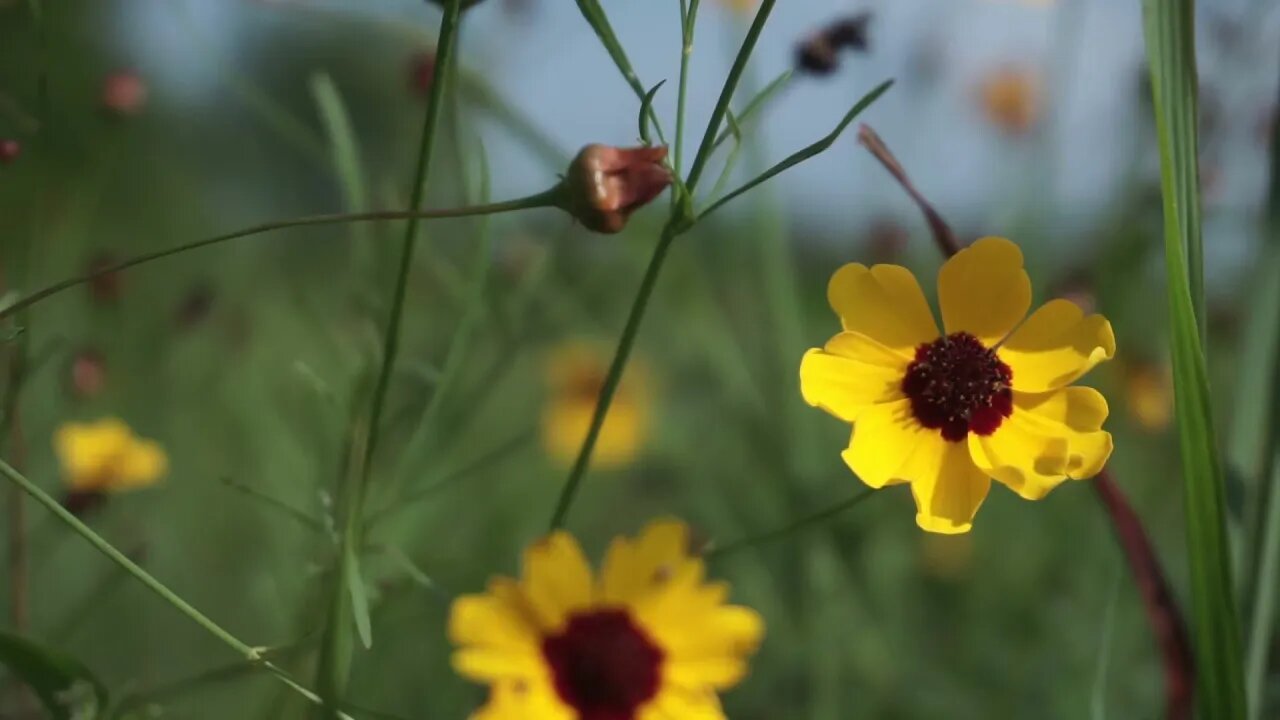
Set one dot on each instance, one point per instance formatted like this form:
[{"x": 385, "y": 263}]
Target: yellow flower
[
  {"x": 1149, "y": 392},
  {"x": 1011, "y": 99},
  {"x": 647, "y": 640},
  {"x": 575, "y": 375},
  {"x": 740, "y": 6},
  {"x": 105, "y": 456},
  {"x": 990, "y": 399}
]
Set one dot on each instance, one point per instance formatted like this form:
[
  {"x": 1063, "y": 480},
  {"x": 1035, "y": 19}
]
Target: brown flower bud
[
  {"x": 10, "y": 149},
  {"x": 606, "y": 184},
  {"x": 105, "y": 287},
  {"x": 88, "y": 374},
  {"x": 124, "y": 94}
]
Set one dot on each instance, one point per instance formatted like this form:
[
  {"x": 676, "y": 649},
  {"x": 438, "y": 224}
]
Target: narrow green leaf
[
  {"x": 1170, "y": 38},
  {"x": 344, "y": 149},
  {"x": 646, "y": 111},
  {"x": 354, "y": 579},
  {"x": 757, "y": 104},
  {"x": 66, "y": 688},
  {"x": 806, "y": 153}
]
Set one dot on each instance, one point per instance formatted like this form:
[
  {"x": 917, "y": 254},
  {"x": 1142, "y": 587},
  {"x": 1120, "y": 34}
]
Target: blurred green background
[{"x": 247, "y": 361}]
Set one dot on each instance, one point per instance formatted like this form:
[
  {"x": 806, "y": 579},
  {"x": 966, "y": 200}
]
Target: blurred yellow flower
[
  {"x": 648, "y": 639},
  {"x": 575, "y": 375},
  {"x": 742, "y": 6},
  {"x": 1149, "y": 396},
  {"x": 105, "y": 456},
  {"x": 990, "y": 399},
  {"x": 1011, "y": 99}
]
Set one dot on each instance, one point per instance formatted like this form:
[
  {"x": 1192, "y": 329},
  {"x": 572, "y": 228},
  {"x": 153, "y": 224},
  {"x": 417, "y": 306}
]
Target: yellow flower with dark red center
[
  {"x": 990, "y": 398},
  {"x": 1011, "y": 99},
  {"x": 105, "y": 457},
  {"x": 575, "y": 376},
  {"x": 649, "y": 639}
]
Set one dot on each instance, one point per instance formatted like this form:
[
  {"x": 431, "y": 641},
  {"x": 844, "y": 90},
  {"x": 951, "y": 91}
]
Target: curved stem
[
  {"x": 611, "y": 381},
  {"x": 715, "y": 553},
  {"x": 542, "y": 199}
]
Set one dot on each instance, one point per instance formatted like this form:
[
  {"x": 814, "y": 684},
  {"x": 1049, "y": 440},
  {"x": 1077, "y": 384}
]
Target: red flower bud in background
[
  {"x": 105, "y": 287},
  {"x": 9, "y": 150},
  {"x": 422, "y": 71},
  {"x": 124, "y": 94},
  {"x": 88, "y": 374},
  {"x": 606, "y": 184}
]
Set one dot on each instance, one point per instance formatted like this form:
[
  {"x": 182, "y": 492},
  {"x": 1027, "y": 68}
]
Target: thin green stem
[
  {"x": 596, "y": 18},
  {"x": 147, "y": 579},
  {"x": 726, "y": 94},
  {"x": 716, "y": 553},
  {"x": 688, "y": 21},
  {"x": 620, "y": 357},
  {"x": 543, "y": 199}
]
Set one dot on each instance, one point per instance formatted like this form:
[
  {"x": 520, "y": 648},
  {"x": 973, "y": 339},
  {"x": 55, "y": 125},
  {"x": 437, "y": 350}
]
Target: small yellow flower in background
[
  {"x": 648, "y": 639},
  {"x": 1011, "y": 99},
  {"x": 740, "y": 6},
  {"x": 1149, "y": 396},
  {"x": 575, "y": 375},
  {"x": 990, "y": 399},
  {"x": 105, "y": 456}
]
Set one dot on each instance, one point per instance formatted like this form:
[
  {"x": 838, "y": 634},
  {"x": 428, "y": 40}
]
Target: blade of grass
[
  {"x": 596, "y": 18},
  {"x": 279, "y": 506},
  {"x": 1098, "y": 694},
  {"x": 1265, "y": 582},
  {"x": 727, "y": 92},
  {"x": 1170, "y": 37},
  {"x": 147, "y": 579},
  {"x": 348, "y": 583},
  {"x": 344, "y": 148},
  {"x": 688, "y": 22},
  {"x": 806, "y": 153},
  {"x": 757, "y": 104}
]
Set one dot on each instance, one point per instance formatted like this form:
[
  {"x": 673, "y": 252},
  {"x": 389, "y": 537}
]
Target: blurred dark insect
[
  {"x": 9, "y": 150},
  {"x": 195, "y": 307},
  {"x": 819, "y": 54},
  {"x": 105, "y": 287},
  {"x": 124, "y": 94}
]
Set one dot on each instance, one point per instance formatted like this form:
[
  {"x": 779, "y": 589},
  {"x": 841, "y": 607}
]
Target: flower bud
[
  {"x": 606, "y": 184},
  {"x": 9, "y": 150},
  {"x": 124, "y": 94}
]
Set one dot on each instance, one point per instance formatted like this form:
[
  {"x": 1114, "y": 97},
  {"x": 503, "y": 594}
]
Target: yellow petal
[
  {"x": 142, "y": 464},
  {"x": 557, "y": 579},
  {"x": 852, "y": 373},
  {"x": 947, "y": 486},
  {"x": 884, "y": 437},
  {"x": 677, "y": 703},
  {"x": 711, "y": 648},
  {"x": 1057, "y": 345},
  {"x": 500, "y": 618},
  {"x": 885, "y": 304},
  {"x": 984, "y": 291},
  {"x": 633, "y": 570},
  {"x": 523, "y": 700},
  {"x": 1049, "y": 438}
]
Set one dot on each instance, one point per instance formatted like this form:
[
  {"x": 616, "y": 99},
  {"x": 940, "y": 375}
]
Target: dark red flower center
[
  {"x": 603, "y": 666},
  {"x": 959, "y": 386}
]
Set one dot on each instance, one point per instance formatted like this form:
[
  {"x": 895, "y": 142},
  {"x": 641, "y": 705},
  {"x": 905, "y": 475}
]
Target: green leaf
[
  {"x": 646, "y": 112},
  {"x": 354, "y": 579},
  {"x": 1170, "y": 38},
  {"x": 806, "y": 153},
  {"x": 66, "y": 688}
]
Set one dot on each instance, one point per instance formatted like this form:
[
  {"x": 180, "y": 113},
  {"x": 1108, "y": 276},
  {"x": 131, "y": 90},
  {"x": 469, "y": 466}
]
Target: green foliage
[{"x": 66, "y": 688}]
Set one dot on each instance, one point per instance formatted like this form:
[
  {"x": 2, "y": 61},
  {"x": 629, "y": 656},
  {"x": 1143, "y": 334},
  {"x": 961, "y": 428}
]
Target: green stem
[
  {"x": 620, "y": 357},
  {"x": 542, "y": 199},
  {"x": 595, "y": 17},
  {"x": 823, "y": 515},
  {"x": 250, "y": 653},
  {"x": 726, "y": 94},
  {"x": 688, "y": 21}
]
